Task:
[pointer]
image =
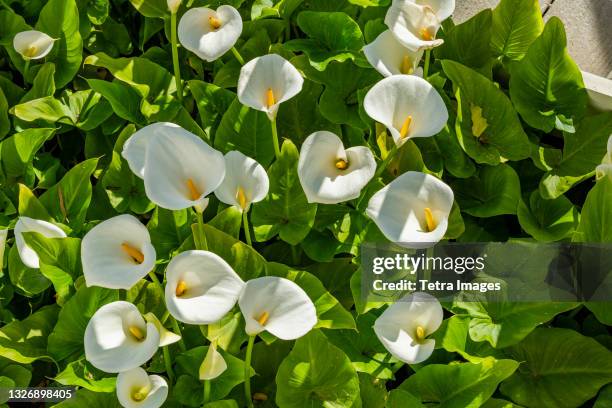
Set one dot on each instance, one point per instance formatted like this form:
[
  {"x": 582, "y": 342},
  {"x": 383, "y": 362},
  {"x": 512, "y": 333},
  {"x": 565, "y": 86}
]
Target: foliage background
[{"x": 529, "y": 178}]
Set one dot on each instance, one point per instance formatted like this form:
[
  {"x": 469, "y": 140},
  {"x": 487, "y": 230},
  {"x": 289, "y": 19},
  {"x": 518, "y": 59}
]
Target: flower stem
[
  {"x": 26, "y": 68},
  {"x": 175, "y": 58},
  {"x": 206, "y": 391},
  {"x": 245, "y": 224},
  {"x": 168, "y": 364},
  {"x": 427, "y": 60},
  {"x": 247, "y": 371},
  {"x": 177, "y": 330},
  {"x": 275, "y": 139},
  {"x": 386, "y": 161},
  {"x": 200, "y": 241},
  {"x": 237, "y": 55}
]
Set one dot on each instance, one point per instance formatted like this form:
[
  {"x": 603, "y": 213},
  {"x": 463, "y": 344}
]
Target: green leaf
[
  {"x": 466, "y": 385},
  {"x": 124, "y": 100},
  {"x": 246, "y": 130},
  {"x": 228, "y": 221},
  {"x": 5, "y": 124},
  {"x": 18, "y": 151},
  {"x": 468, "y": 42},
  {"x": 516, "y": 24},
  {"x": 82, "y": 374},
  {"x": 597, "y": 213},
  {"x": 97, "y": 11},
  {"x": 47, "y": 109},
  {"x": 43, "y": 84},
  {"x": 487, "y": 125},
  {"x": 333, "y": 36},
  {"x": 547, "y": 83},
  {"x": 316, "y": 373},
  {"x": 26, "y": 341},
  {"x": 285, "y": 210},
  {"x": 212, "y": 102},
  {"x": 28, "y": 280},
  {"x": 605, "y": 397},
  {"x": 151, "y": 8},
  {"x": 66, "y": 340},
  {"x": 168, "y": 230},
  {"x": 492, "y": 191},
  {"x": 560, "y": 368},
  {"x": 60, "y": 19},
  {"x": 30, "y": 206},
  {"x": 399, "y": 398},
  {"x": 547, "y": 220},
  {"x": 87, "y": 398},
  {"x": 11, "y": 24}
]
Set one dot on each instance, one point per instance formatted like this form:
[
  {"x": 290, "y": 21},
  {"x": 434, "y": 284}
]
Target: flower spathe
[
  {"x": 28, "y": 256},
  {"x": 245, "y": 182},
  {"x": 117, "y": 338},
  {"x": 442, "y": 8},
  {"x": 213, "y": 365},
  {"x": 32, "y": 44},
  {"x": 208, "y": 33},
  {"x": 179, "y": 169},
  {"x": 266, "y": 82},
  {"x": 408, "y": 106},
  {"x": 389, "y": 57},
  {"x": 173, "y": 5},
  {"x": 278, "y": 306},
  {"x": 414, "y": 25},
  {"x": 331, "y": 174},
  {"x": 200, "y": 287},
  {"x": 136, "y": 389},
  {"x": 412, "y": 210},
  {"x": 404, "y": 326},
  {"x": 605, "y": 168},
  {"x": 166, "y": 337},
  {"x": 117, "y": 253}
]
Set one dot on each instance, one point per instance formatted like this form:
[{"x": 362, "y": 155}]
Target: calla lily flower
[
  {"x": 117, "y": 253},
  {"x": 408, "y": 106},
  {"x": 414, "y": 25},
  {"x": 213, "y": 365},
  {"x": 389, "y": 57},
  {"x": 136, "y": 389},
  {"x": 173, "y": 5},
  {"x": 28, "y": 256},
  {"x": 403, "y": 328},
  {"x": 200, "y": 287},
  {"x": 179, "y": 169},
  {"x": 33, "y": 44},
  {"x": 277, "y": 305},
  {"x": 606, "y": 164},
  {"x": 443, "y": 8},
  {"x": 331, "y": 174},
  {"x": 266, "y": 82},
  {"x": 245, "y": 182},
  {"x": 208, "y": 33},
  {"x": 412, "y": 210},
  {"x": 166, "y": 337},
  {"x": 117, "y": 338}
]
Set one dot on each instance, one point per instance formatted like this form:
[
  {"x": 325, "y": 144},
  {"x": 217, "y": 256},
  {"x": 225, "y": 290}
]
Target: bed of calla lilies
[{"x": 185, "y": 187}]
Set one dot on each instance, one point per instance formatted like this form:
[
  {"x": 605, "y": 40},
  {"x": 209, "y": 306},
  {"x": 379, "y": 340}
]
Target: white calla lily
[
  {"x": 408, "y": 106},
  {"x": 28, "y": 256},
  {"x": 331, "y": 174},
  {"x": 208, "y": 33},
  {"x": 414, "y": 25},
  {"x": 403, "y": 328},
  {"x": 117, "y": 338},
  {"x": 213, "y": 365},
  {"x": 277, "y": 305},
  {"x": 412, "y": 210},
  {"x": 443, "y": 8},
  {"x": 245, "y": 182},
  {"x": 266, "y": 82},
  {"x": 136, "y": 389},
  {"x": 173, "y": 5},
  {"x": 389, "y": 57},
  {"x": 117, "y": 253},
  {"x": 605, "y": 168},
  {"x": 166, "y": 337},
  {"x": 179, "y": 169},
  {"x": 32, "y": 44},
  {"x": 200, "y": 287}
]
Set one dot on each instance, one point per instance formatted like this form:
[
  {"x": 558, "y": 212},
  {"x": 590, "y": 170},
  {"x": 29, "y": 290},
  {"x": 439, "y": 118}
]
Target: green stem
[
  {"x": 386, "y": 162},
  {"x": 175, "y": 58},
  {"x": 237, "y": 55},
  {"x": 26, "y": 68},
  {"x": 427, "y": 60},
  {"x": 203, "y": 245},
  {"x": 275, "y": 139},
  {"x": 247, "y": 372},
  {"x": 295, "y": 256},
  {"x": 177, "y": 330},
  {"x": 206, "y": 391},
  {"x": 165, "y": 317},
  {"x": 122, "y": 294},
  {"x": 245, "y": 224},
  {"x": 155, "y": 279},
  {"x": 6, "y": 5},
  {"x": 168, "y": 364}
]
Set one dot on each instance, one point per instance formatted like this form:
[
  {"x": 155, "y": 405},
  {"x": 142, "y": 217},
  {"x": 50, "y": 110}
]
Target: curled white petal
[
  {"x": 200, "y": 287},
  {"x": 605, "y": 168},
  {"x": 408, "y": 106},
  {"x": 33, "y": 44},
  {"x": 208, "y": 33},
  {"x": 265, "y": 82},
  {"x": 117, "y": 253},
  {"x": 245, "y": 182},
  {"x": 213, "y": 365},
  {"x": 389, "y": 57},
  {"x": 329, "y": 173},
  {"x": 413, "y": 25},
  {"x": 117, "y": 338},
  {"x": 28, "y": 256},
  {"x": 278, "y": 306},
  {"x": 180, "y": 172},
  {"x": 136, "y": 389},
  {"x": 403, "y": 327},
  {"x": 400, "y": 209},
  {"x": 442, "y": 8},
  {"x": 173, "y": 5}
]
